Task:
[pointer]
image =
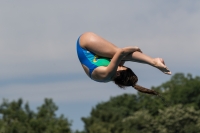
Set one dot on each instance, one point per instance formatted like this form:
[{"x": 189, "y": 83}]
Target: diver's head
[{"x": 125, "y": 77}]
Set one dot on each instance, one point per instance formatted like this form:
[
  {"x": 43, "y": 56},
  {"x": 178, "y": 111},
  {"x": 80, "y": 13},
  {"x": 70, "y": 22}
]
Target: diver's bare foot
[{"x": 160, "y": 64}]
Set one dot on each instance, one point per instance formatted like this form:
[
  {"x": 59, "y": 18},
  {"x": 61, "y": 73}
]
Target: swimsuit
[{"x": 89, "y": 59}]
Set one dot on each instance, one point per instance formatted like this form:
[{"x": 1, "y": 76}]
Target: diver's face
[{"x": 121, "y": 68}]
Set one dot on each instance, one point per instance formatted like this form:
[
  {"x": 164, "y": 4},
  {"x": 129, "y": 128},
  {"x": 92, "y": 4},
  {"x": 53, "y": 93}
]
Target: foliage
[
  {"x": 177, "y": 110},
  {"x": 18, "y": 119},
  {"x": 179, "y": 119}
]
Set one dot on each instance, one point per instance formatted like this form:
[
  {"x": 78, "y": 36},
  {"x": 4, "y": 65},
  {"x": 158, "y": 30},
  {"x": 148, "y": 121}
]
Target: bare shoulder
[{"x": 100, "y": 73}]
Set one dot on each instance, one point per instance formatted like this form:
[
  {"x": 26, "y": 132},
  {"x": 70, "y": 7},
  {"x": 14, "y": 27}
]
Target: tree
[
  {"x": 178, "y": 119},
  {"x": 18, "y": 119},
  {"x": 175, "y": 110},
  {"x": 139, "y": 122},
  {"x": 182, "y": 89},
  {"x": 107, "y": 116}
]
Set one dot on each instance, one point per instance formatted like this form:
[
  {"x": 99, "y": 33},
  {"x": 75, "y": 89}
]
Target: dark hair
[{"x": 128, "y": 78}]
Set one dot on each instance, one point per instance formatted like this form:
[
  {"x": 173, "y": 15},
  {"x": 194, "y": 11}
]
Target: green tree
[
  {"x": 150, "y": 114},
  {"x": 107, "y": 116},
  {"x": 181, "y": 89},
  {"x": 178, "y": 119},
  {"x": 16, "y": 118},
  {"x": 139, "y": 122},
  {"x": 174, "y": 119}
]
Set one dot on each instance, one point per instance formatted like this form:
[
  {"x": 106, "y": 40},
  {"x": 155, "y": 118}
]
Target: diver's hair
[
  {"x": 145, "y": 90},
  {"x": 128, "y": 78}
]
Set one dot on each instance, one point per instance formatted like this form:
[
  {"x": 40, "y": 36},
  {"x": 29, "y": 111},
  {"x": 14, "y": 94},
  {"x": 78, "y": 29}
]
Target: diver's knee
[{"x": 89, "y": 37}]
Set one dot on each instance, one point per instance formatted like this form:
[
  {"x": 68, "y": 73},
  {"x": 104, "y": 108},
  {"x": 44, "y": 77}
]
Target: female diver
[{"x": 104, "y": 62}]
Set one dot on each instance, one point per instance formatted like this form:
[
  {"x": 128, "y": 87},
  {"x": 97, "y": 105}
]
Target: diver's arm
[
  {"x": 117, "y": 59},
  {"x": 105, "y": 73}
]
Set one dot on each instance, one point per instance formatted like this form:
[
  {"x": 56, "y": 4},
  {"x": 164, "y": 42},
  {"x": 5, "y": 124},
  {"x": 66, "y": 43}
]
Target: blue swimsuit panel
[{"x": 85, "y": 57}]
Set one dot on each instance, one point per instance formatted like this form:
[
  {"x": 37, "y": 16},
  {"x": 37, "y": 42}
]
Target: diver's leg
[
  {"x": 102, "y": 47},
  {"x": 97, "y": 45},
  {"x": 142, "y": 58}
]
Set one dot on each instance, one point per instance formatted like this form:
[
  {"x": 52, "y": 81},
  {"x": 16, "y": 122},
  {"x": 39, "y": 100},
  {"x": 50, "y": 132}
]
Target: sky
[{"x": 38, "y": 57}]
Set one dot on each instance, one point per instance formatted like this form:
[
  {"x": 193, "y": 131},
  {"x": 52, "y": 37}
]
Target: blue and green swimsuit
[{"x": 89, "y": 59}]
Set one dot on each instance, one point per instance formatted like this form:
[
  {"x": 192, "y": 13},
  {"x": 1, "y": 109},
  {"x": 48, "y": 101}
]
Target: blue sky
[{"x": 38, "y": 54}]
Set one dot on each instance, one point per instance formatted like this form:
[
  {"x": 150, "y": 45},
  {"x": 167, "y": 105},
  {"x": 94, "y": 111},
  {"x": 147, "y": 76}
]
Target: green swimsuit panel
[{"x": 100, "y": 61}]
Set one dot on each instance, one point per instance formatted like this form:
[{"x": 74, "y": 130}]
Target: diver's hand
[{"x": 121, "y": 63}]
